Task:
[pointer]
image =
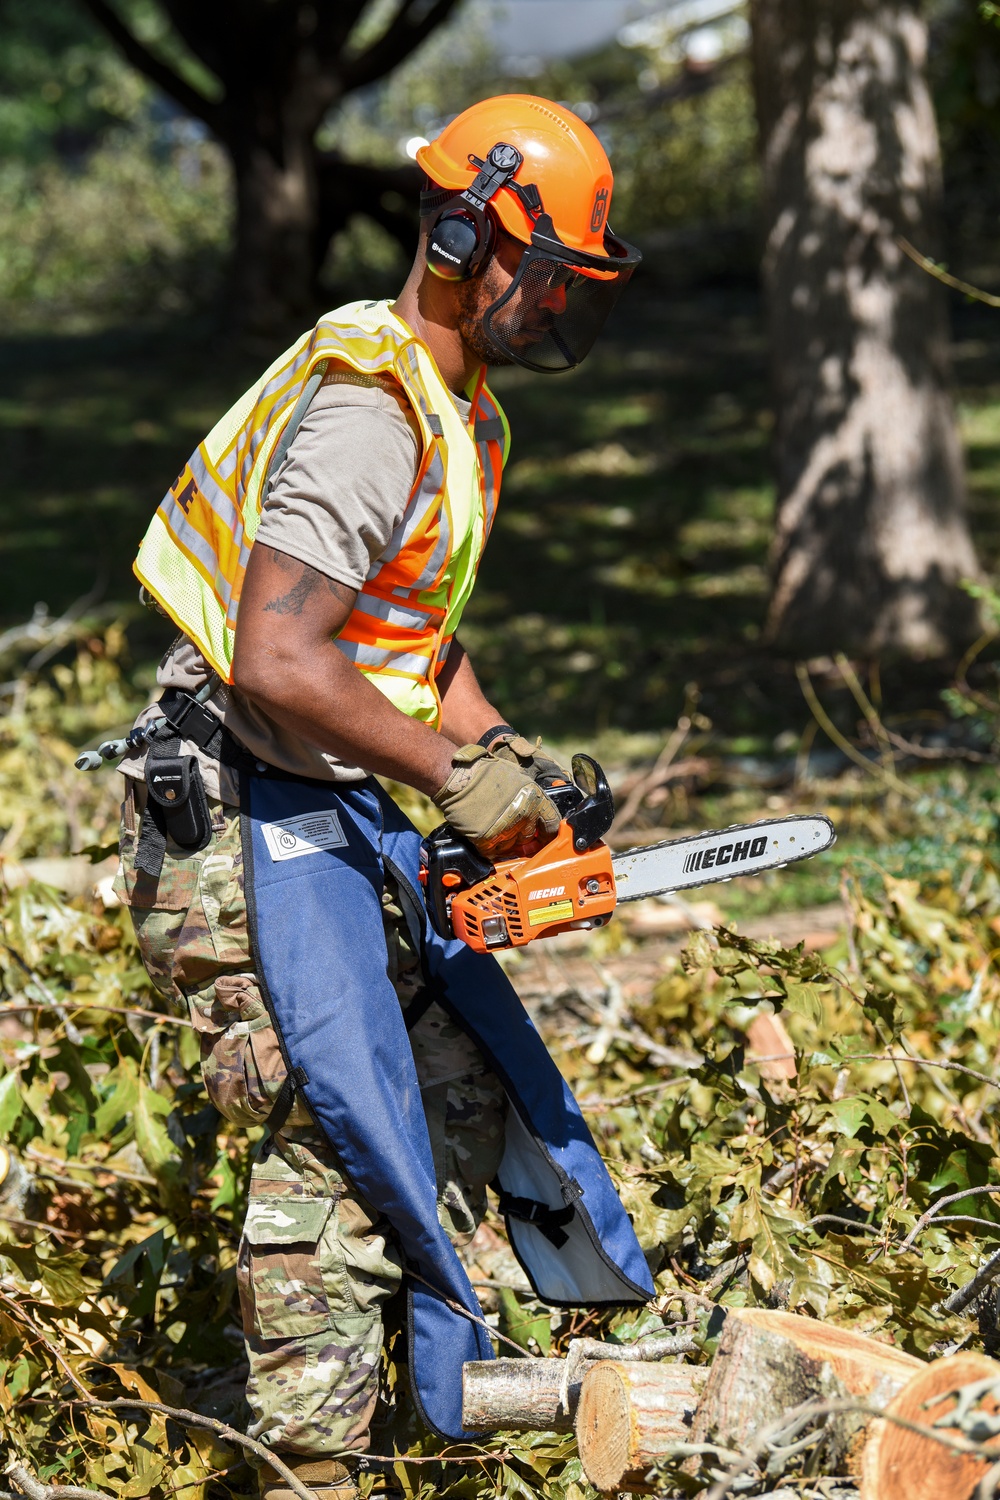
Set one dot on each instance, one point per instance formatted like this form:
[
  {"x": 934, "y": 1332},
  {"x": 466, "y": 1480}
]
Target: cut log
[
  {"x": 516, "y": 1395},
  {"x": 898, "y": 1463},
  {"x": 768, "y": 1362},
  {"x": 630, "y": 1415}
]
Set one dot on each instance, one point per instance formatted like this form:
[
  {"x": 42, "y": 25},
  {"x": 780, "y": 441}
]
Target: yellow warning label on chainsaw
[{"x": 556, "y": 911}]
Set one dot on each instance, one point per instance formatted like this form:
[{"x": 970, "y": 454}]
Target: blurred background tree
[
  {"x": 262, "y": 78},
  {"x": 872, "y": 541}
]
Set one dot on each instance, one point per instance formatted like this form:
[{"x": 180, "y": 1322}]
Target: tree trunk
[
  {"x": 768, "y": 1362},
  {"x": 274, "y": 262},
  {"x": 630, "y": 1415},
  {"x": 871, "y": 539},
  {"x": 898, "y": 1463},
  {"x": 270, "y": 132}
]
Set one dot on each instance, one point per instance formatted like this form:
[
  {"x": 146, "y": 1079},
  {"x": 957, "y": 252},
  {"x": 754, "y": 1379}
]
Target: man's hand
[
  {"x": 494, "y": 802},
  {"x": 531, "y": 758}
]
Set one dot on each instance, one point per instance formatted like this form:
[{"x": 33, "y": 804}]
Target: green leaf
[
  {"x": 124, "y": 1084},
  {"x": 154, "y": 1249},
  {"x": 804, "y": 999},
  {"x": 850, "y": 1114},
  {"x": 226, "y": 1192},
  {"x": 155, "y": 1146},
  {"x": 20, "y": 1379},
  {"x": 63, "y": 1279},
  {"x": 522, "y": 1324},
  {"x": 11, "y": 1102}
]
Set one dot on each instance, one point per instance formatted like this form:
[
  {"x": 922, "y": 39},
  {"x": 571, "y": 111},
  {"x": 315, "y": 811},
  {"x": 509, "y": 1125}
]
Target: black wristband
[{"x": 487, "y": 739}]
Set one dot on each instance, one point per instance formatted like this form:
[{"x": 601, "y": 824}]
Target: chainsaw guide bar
[{"x": 702, "y": 858}]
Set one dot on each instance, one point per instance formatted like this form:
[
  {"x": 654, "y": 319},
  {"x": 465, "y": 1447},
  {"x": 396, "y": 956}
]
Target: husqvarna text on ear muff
[{"x": 463, "y": 237}]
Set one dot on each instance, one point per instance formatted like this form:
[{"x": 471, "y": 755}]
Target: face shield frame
[{"x": 591, "y": 284}]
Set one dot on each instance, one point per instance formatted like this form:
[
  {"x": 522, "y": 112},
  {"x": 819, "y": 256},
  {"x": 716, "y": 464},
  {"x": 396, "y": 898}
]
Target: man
[{"x": 316, "y": 553}]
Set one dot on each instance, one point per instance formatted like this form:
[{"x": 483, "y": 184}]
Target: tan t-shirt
[{"x": 333, "y": 503}]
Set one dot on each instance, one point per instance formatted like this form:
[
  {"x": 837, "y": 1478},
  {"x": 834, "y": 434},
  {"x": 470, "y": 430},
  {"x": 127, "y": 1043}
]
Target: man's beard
[{"x": 476, "y": 297}]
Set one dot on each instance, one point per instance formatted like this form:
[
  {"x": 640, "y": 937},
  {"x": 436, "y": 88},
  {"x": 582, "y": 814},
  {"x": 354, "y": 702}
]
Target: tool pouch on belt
[{"x": 176, "y": 807}]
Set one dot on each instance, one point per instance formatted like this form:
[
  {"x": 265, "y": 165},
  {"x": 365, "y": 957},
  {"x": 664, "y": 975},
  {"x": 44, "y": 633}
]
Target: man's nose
[{"x": 554, "y": 300}]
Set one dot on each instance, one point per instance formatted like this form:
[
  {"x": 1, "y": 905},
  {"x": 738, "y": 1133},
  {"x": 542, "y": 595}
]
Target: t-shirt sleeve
[{"x": 343, "y": 486}]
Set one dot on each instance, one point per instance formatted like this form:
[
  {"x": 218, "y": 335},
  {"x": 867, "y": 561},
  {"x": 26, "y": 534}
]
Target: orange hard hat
[{"x": 563, "y": 160}]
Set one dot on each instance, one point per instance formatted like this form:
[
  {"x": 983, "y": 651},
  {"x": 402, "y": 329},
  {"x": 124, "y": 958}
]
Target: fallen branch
[
  {"x": 960, "y": 1299},
  {"x": 919, "y": 1062},
  {"x": 47, "y": 1162},
  {"x": 656, "y": 776},
  {"x": 65, "y": 1012},
  {"x": 925, "y": 1218},
  {"x": 36, "y": 1490},
  {"x": 654, "y": 1347},
  {"x": 464, "y": 1312},
  {"x": 843, "y": 743},
  {"x": 781, "y": 1434},
  {"x": 192, "y": 1419},
  {"x": 929, "y": 752}
]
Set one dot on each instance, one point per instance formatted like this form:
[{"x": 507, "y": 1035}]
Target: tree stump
[
  {"x": 898, "y": 1463},
  {"x": 516, "y": 1395},
  {"x": 768, "y": 1362},
  {"x": 629, "y": 1416}
]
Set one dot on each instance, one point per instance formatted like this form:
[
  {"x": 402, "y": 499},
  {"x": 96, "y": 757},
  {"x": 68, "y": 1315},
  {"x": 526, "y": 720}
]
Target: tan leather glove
[
  {"x": 492, "y": 801},
  {"x": 532, "y": 758}
]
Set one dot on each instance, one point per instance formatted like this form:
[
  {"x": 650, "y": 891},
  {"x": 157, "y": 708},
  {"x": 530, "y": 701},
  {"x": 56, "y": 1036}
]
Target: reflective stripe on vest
[{"x": 193, "y": 557}]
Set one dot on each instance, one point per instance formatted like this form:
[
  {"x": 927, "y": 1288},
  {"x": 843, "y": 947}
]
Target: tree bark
[
  {"x": 516, "y": 1395},
  {"x": 630, "y": 1415},
  {"x": 274, "y": 260},
  {"x": 871, "y": 538},
  {"x": 768, "y": 1362},
  {"x": 897, "y": 1463}
]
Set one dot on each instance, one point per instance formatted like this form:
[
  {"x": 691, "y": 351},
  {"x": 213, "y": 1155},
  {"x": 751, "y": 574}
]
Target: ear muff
[{"x": 459, "y": 243}]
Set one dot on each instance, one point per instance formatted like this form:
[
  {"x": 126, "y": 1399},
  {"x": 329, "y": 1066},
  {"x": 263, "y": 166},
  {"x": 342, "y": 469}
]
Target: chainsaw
[{"x": 574, "y": 882}]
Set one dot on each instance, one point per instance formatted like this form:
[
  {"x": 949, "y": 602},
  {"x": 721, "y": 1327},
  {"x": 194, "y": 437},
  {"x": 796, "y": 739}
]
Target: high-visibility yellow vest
[{"x": 193, "y": 557}]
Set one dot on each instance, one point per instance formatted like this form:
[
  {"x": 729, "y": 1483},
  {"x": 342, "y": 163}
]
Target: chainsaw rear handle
[{"x": 450, "y": 863}]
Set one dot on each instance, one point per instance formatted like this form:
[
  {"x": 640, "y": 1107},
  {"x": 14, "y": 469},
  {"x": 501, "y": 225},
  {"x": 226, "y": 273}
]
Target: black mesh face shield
[{"x": 559, "y": 300}]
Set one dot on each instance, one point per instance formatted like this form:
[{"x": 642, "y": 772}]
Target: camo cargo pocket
[
  {"x": 241, "y": 1060},
  {"x": 174, "y": 889},
  {"x": 282, "y": 1289}
]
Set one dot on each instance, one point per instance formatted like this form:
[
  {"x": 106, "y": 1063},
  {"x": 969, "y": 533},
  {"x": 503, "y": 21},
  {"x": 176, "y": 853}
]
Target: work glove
[
  {"x": 531, "y": 758},
  {"x": 494, "y": 802}
]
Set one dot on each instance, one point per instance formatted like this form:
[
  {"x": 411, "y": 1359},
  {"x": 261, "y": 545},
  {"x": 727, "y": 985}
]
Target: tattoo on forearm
[{"x": 308, "y": 581}]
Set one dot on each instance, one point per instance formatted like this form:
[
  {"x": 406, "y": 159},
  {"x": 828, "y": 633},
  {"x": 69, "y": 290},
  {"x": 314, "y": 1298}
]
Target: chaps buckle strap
[
  {"x": 548, "y": 1220},
  {"x": 295, "y": 1080}
]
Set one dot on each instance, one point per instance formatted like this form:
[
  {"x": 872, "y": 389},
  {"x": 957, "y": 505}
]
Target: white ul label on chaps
[{"x": 309, "y": 833}]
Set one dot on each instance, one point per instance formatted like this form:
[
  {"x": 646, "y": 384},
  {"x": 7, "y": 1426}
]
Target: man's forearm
[
  {"x": 337, "y": 709},
  {"x": 465, "y": 712}
]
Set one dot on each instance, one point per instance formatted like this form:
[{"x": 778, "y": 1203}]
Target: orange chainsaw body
[{"x": 554, "y": 890}]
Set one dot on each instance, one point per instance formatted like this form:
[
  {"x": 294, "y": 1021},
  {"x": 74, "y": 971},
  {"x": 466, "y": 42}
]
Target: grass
[
  {"x": 627, "y": 564},
  {"x": 631, "y": 541}
]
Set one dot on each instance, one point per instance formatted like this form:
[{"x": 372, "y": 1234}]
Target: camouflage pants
[{"x": 316, "y": 1263}]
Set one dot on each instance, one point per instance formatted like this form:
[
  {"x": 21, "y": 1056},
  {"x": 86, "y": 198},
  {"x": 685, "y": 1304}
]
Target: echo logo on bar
[{"x": 726, "y": 854}]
